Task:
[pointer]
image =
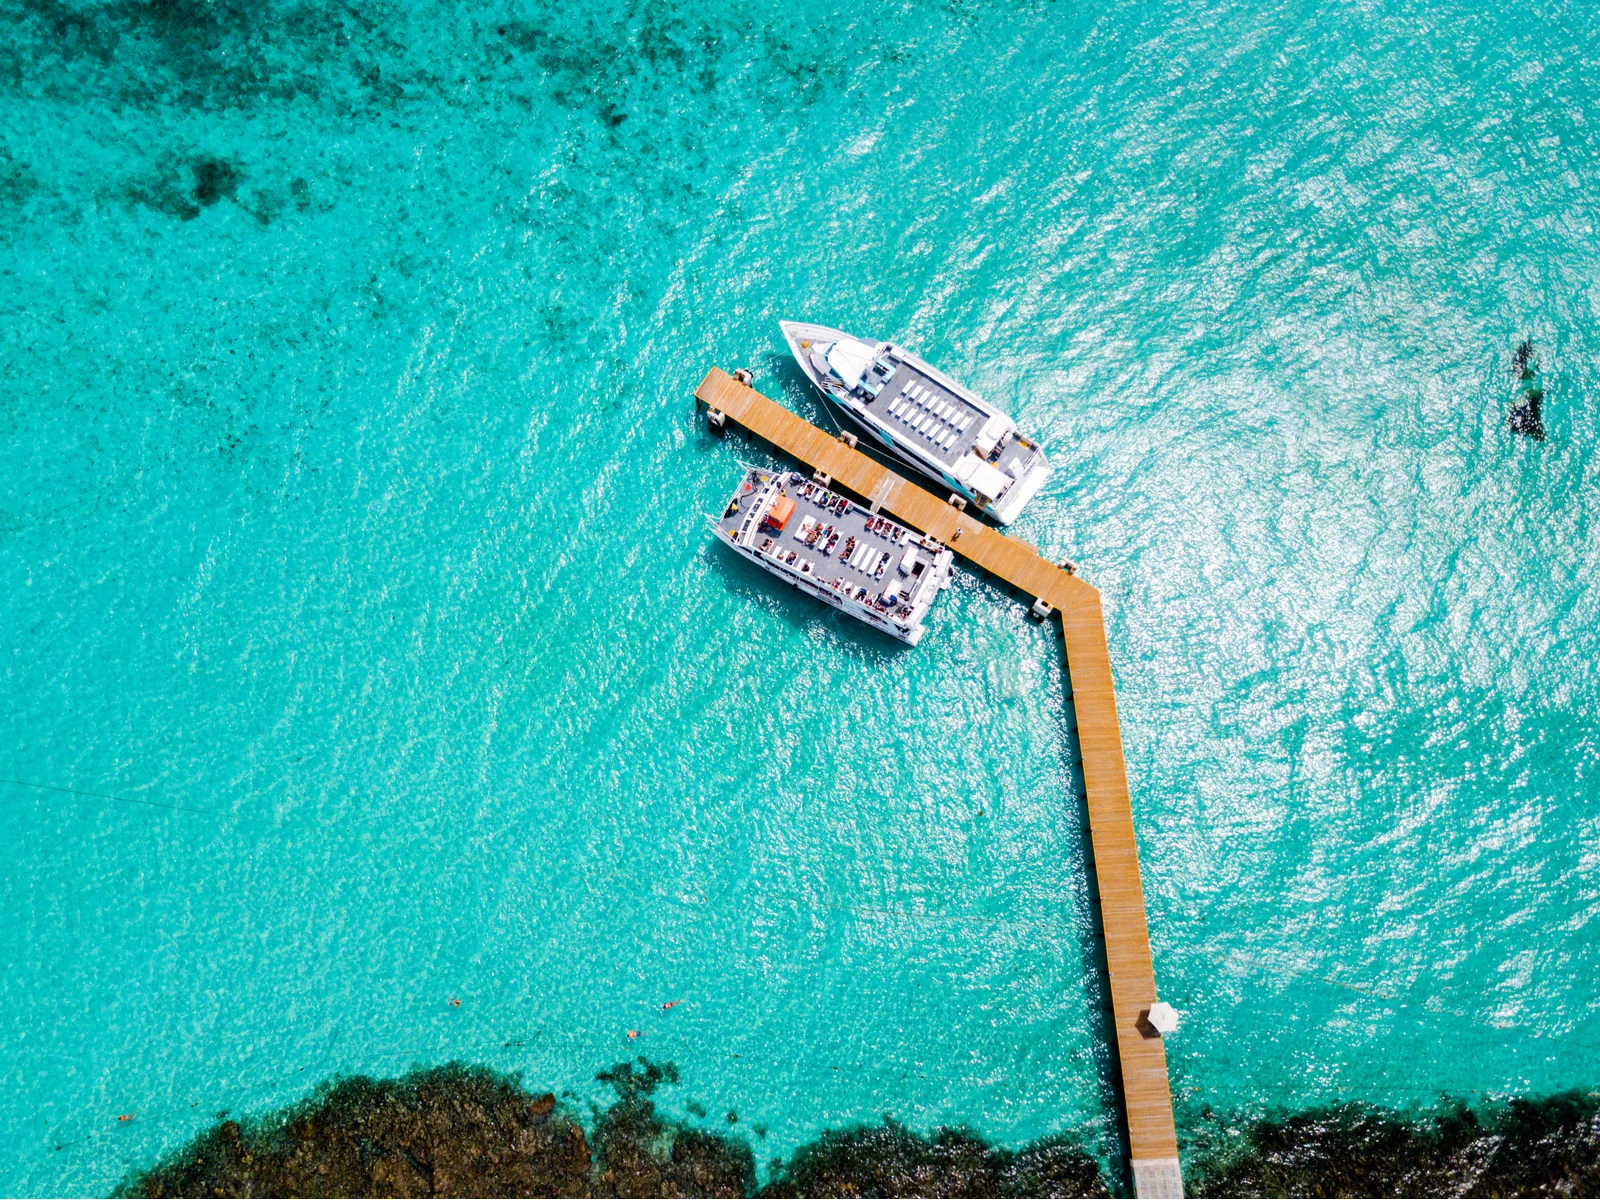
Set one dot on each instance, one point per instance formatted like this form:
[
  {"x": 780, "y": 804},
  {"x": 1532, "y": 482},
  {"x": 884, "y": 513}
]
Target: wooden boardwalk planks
[{"x": 1147, "y": 1099}]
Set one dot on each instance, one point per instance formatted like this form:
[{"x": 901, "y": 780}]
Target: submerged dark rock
[
  {"x": 1527, "y": 359},
  {"x": 450, "y": 1131},
  {"x": 160, "y": 194},
  {"x": 1526, "y": 417},
  {"x": 638, "y": 1153},
  {"x": 891, "y": 1160},
  {"x": 165, "y": 189},
  {"x": 459, "y": 1130},
  {"x": 214, "y": 179},
  {"x": 456, "y": 1131},
  {"x": 1547, "y": 1147}
]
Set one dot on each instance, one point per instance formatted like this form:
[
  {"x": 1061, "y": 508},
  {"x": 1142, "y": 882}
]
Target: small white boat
[
  {"x": 923, "y": 417},
  {"x": 858, "y": 561}
]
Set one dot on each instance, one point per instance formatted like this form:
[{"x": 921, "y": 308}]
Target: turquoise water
[{"x": 350, "y": 556}]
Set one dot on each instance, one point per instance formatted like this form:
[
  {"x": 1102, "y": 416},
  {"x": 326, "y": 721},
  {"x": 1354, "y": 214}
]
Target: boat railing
[{"x": 755, "y": 508}]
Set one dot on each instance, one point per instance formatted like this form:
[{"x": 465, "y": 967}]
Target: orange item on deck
[{"x": 780, "y": 512}]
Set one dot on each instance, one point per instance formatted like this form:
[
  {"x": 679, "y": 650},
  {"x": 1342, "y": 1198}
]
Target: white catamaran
[
  {"x": 861, "y": 563},
  {"x": 923, "y": 417}
]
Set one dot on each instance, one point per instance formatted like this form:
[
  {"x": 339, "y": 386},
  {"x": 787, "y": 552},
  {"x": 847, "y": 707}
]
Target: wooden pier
[{"x": 1147, "y": 1099}]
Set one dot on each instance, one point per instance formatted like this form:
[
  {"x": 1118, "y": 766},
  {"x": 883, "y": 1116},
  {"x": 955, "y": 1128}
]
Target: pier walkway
[{"x": 1147, "y": 1099}]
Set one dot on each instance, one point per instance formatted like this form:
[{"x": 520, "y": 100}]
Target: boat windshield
[{"x": 848, "y": 359}]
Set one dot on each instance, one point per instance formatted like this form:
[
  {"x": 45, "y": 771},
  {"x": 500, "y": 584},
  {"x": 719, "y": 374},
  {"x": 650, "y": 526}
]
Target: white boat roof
[
  {"x": 980, "y": 476},
  {"x": 850, "y": 359}
]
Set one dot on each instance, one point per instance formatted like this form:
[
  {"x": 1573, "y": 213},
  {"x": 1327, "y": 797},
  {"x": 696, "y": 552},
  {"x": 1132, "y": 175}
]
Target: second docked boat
[{"x": 874, "y": 569}]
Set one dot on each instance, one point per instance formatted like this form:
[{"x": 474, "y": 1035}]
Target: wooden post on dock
[{"x": 1146, "y": 1094}]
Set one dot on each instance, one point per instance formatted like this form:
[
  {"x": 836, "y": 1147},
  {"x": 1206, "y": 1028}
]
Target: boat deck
[
  {"x": 841, "y": 545},
  {"x": 1146, "y": 1094},
  {"x": 920, "y": 409}
]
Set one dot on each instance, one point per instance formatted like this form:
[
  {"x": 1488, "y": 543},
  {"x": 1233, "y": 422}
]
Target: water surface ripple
[{"x": 349, "y": 498}]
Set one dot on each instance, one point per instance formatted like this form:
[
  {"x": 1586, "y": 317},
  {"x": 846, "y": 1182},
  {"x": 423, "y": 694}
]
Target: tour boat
[
  {"x": 825, "y": 545},
  {"x": 923, "y": 417}
]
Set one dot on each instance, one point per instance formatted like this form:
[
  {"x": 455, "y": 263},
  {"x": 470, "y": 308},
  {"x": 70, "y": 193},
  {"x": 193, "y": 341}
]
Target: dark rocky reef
[
  {"x": 466, "y": 1131},
  {"x": 214, "y": 179},
  {"x": 183, "y": 188},
  {"x": 638, "y": 1153},
  {"x": 1526, "y": 417},
  {"x": 450, "y": 1131},
  {"x": 1548, "y": 1147},
  {"x": 456, "y": 1131},
  {"x": 890, "y": 1160},
  {"x": 1526, "y": 358}
]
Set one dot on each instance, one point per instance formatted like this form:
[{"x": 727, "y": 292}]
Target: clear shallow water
[{"x": 353, "y": 510}]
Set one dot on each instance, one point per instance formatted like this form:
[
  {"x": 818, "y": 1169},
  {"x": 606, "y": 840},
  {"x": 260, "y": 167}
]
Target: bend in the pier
[{"x": 1146, "y": 1093}]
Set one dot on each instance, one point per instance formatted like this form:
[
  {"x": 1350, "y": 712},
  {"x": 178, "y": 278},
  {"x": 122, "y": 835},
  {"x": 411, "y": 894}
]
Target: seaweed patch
[
  {"x": 183, "y": 188},
  {"x": 1547, "y": 1147},
  {"x": 453, "y": 1130},
  {"x": 214, "y": 179},
  {"x": 205, "y": 53},
  {"x": 890, "y": 1160},
  {"x": 163, "y": 194},
  {"x": 18, "y": 187},
  {"x": 462, "y": 1130},
  {"x": 1527, "y": 417},
  {"x": 17, "y": 182}
]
